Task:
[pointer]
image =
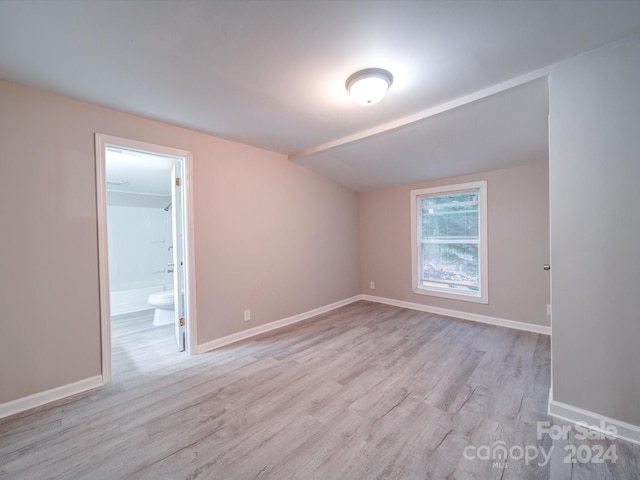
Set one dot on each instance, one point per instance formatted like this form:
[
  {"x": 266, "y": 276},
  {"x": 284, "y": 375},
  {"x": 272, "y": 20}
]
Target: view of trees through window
[{"x": 450, "y": 240}]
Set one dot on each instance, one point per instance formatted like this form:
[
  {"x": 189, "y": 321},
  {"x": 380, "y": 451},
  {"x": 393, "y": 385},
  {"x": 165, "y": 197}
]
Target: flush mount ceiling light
[{"x": 369, "y": 86}]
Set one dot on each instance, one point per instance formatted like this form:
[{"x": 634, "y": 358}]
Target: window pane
[
  {"x": 453, "y": 265},
  {"x": 462, "y": 222},
  {"x": 457, "y": 198},
  {"x": 450, "y": 216}
]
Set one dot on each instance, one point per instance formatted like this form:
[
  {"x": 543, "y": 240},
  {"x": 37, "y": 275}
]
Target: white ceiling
[{"x": 271, "y": 73}]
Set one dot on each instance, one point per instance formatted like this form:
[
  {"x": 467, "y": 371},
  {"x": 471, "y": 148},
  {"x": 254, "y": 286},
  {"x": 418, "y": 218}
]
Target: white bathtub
[{"x": 129, "y": 301}]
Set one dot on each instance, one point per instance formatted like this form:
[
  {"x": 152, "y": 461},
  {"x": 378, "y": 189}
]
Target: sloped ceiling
[
  {"x": 271, "y": 73},
  {"x": 496, "y": 131}
]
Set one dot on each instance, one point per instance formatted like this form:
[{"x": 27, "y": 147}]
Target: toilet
[{"x": 163, "y": 304}]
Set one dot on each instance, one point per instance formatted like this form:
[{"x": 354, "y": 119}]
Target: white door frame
[{"x": 101, "y": 143}]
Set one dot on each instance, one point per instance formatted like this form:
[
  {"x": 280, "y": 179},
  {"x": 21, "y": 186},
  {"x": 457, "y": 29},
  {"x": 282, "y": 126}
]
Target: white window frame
[{"x": 482, "y": 295}]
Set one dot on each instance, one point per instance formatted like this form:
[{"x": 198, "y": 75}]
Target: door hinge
[
  {"x": 182, "y": 322},
  {"x": 178, "y": 181}
]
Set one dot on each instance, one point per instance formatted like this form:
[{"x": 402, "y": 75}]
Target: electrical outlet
[
  {"x": 372, "y": 285},
  {"x": 247, "y": 315}
]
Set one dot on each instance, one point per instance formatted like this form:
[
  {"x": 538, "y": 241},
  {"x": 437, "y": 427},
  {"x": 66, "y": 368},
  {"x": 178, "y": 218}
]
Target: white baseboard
[
  {"x": 595, "y": 421},
  {"x": 474, "y": 317},
  {"x": 252, "y": 332},
  {"x": 48, "y": 396}
]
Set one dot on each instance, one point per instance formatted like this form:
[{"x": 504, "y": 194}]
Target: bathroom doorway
[{"x": 145, "y": 252}]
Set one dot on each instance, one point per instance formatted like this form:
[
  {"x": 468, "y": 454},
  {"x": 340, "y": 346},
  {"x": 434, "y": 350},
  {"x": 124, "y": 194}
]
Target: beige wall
[
  {"x": 518, "y": 210},
  {"x": 595, "y": 227},
  {"x": 269, "y": 235}
]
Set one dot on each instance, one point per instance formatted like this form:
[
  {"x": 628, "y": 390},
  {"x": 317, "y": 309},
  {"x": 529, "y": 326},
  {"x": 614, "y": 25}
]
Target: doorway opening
[{"x": 145, "y": 253}]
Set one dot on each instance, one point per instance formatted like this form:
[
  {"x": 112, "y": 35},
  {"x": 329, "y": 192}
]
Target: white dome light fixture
[{"x": 369, "y": 86}]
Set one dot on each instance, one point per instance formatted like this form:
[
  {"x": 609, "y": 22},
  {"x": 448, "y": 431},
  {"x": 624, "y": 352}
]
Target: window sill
[{"x": 465, "y": 297}]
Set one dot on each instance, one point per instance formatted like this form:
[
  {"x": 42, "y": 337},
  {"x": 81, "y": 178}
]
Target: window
[{"x": 449, "y": 241}]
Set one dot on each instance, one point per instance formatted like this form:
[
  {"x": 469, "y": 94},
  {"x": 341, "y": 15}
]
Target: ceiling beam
[{"x": 421, "y": 115}]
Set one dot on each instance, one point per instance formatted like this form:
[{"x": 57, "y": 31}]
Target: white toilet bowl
[{"x": 163, "y": 303}]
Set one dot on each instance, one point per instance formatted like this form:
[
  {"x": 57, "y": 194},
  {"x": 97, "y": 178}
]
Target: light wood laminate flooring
[{"x": 366, "y": 391}]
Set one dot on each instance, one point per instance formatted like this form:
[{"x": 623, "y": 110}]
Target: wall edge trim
[
  {"x": 569, "y": 413},
  {"x": 252, "y": 332},
  {"x": 474, "y": 317},
  {"x": 29, "y": 402}
]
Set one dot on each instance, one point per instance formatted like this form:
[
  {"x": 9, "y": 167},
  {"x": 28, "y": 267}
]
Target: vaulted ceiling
[{"x": 271, "y": 73}]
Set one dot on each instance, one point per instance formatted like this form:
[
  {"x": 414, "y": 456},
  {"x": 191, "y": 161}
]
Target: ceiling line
[{"x": 429, "y": 112}]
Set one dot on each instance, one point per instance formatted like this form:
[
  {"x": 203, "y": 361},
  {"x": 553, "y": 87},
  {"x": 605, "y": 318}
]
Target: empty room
[{"x": 319, "y": 239}]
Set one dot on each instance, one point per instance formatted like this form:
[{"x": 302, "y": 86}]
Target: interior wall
[
  {"x": 270, "y": 236},
  {"x": 595, "y": 226},
  {"x": 518, "y": 236}
]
